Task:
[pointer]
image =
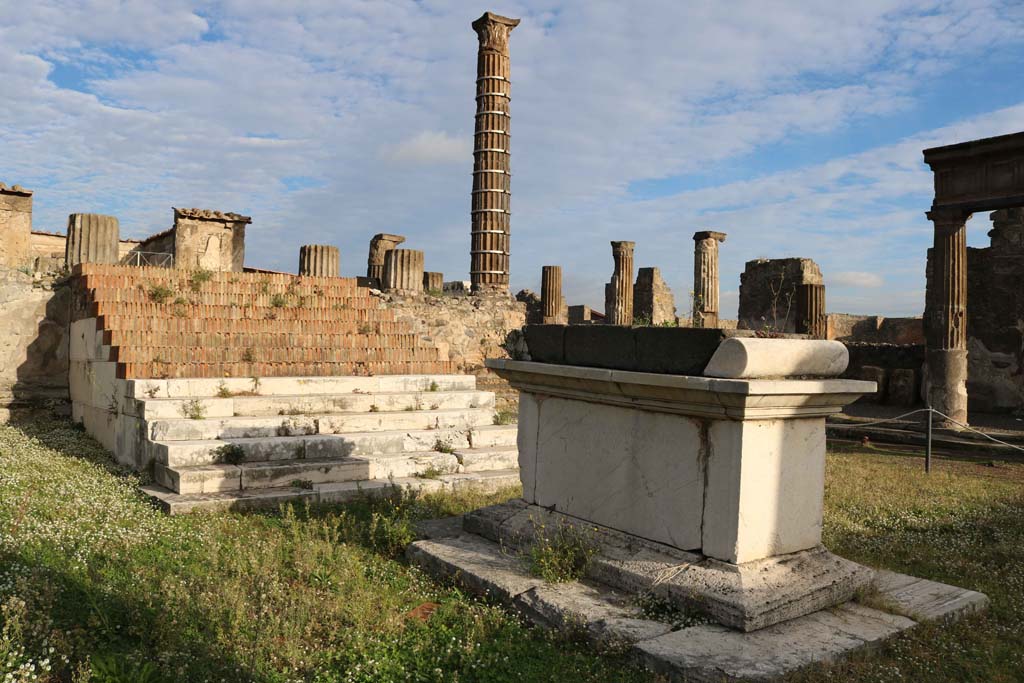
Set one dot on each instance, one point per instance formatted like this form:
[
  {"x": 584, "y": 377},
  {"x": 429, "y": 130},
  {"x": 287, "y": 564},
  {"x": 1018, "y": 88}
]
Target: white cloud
[
  {"x": 855, "y": 278},
  {"x": 430, "y": 147}
]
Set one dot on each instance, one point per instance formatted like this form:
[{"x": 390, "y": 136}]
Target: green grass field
[{"x": 96, "y": 585}]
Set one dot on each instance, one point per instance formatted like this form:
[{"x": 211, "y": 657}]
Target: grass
[
  {"x": 121, "y": 592},
  {"x": 561, "y": 554},
  {"x": 509, "y": 416}
]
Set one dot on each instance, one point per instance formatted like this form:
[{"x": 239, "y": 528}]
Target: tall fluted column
[
  {"x": 403, "y": 270},
  {"x": 319, "y": 260},
  {"x": 491, "y": 207},
  {"x": 380, "y": 245},
  {"x": 946, "y": 324},
  {"x": 705, "y": 277},
  {"x": 620, "y": 289},
  {"x": 551, "y": 295},
  {"x": 810, "y": 311},
  {"x": 92, "y": 238}
]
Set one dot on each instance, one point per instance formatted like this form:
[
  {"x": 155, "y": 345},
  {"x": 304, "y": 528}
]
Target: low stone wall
[
  {"x": 467, "y": 329},
  {"x": 896, "y": 368},
  {"x": 875, "y": 329},
  {"x": 34, "y": 320}
]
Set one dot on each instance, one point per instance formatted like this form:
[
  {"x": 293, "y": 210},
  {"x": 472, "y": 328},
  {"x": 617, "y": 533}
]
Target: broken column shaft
[
  {"x": 319, "y": 260},
  {"x": 92, "y": 238},
  {"x": 403, "y": 270},
  {"x": 380, "y": 245},
  {"x": 551, "y": 295}
]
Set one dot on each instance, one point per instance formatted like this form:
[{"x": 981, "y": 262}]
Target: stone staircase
[{"x": 237, "y": 393}]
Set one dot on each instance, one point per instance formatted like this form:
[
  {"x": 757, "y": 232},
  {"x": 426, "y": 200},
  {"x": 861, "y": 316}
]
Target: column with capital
[
  {"x": 490, "y": 207},
  {"x": 619, "y": 292},
  {"x": 705, "y": 277},
  {"x": 946, "y": 320}
]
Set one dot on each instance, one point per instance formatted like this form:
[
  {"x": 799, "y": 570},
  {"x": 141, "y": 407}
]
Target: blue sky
[{"x": 797, "y": 129}]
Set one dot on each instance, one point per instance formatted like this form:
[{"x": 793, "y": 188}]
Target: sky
[{"x": 794, "y": 127}]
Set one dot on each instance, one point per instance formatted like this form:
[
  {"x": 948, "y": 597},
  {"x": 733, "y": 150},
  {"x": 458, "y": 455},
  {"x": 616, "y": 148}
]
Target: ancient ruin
[
  {"x": 15, "y": 225},
  {"x": 491, "y": 206},
  {"x": 319, "y": 260},
  {"x": 92, "y": 238},
  {"x": 380, "y": 245},
  {"x": 769, "y": 293},
  {"x": 552, "y": 301},
  {"x": 618, "y": 294},
  {"x": 705, "y": 277},
  {"x": 981, "y": 175},
  {"x": 810, "y": 311},
  {"x": 403, "y": 270},
  {"x": 653, "y": 302},
  {"x": 433, "y": 282}
]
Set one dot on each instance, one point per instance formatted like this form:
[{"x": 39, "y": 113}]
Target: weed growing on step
[
  {"x": 159, "y": 294},
  {"x": 667, "y": 611},
  {"x": 193, "y": 409},
  {"x": 561, "y": 554},
  {"x": 444, "y": 445},
  {"x": 223, "y": 391},
  {"x": 230, "y": 453},
  {"x": 198, "y": 278},
  {"x": 365, "y": 328},
  {"x": 306, "y": 484},
  {"x": 248, "y": 356},
  {"x": 435, "y": 472},
  {"x": 374, "y": 408},
  {"x": 433, "y": 386},
  {"x": 279, "y": 300},
  {"x": 264, "y": 286},
  {"x": 506, "y": 417},
  {"x": 435, "y": 406}
]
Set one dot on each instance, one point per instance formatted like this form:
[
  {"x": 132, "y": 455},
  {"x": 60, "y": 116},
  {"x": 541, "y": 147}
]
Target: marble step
[
  {"x": 312, "y": 404},
  {"x": 244, "y": 427},
  {"x": 330, "y": 493},
  {"x": 292, "y": 386},
  {"x": 177, "y": 454}
]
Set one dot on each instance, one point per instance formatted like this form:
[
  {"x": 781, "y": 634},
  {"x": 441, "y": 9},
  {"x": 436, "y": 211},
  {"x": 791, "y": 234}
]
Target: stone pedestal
[
  {"x": 15, "y": 226},
  {"x": 210, "y": 240},
  {"x": 810, "y": 311},
  {"x": 403, "y": 270},
  {"x": 319, "y": 260},
  {"x": 380, "y": 245},
  {"x": 433, "y": 282},
  {"x": 946, "y": 320},
  {"x": 619, "y": 292},
  {"x": 491, "y": 198},
  {"x": 92, "y": 238},
  {"x": 551, "y": 296},
  {"x": 705, "y": 277}
]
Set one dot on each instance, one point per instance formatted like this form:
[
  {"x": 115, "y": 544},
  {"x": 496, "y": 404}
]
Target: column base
[{"x": 947, "y": 385}]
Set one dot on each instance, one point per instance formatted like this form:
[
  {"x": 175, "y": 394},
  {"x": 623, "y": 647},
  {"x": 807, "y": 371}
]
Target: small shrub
[
  {"x": 506, "y": 417},
  {"x": 223, "y": 391},
  {"x": 443, "y": 445},
  {"x": 642, "y": 321},
  {"x": 433, "y": 387},
  {"x": 365, "y": 328},
  {"x": 248, "y": 356},
  {"x": 562, "y": 555},
  {"x": 193, "y": 409},
  {"x": 279, "y": 300},
  {"x": 264, "y": 286},
  {"x": 230, "y": 453},
  {"x": 159, "y": 294},
  {"x": 374, "y": 408},
  {"x": 302, "y": 484},
  {"x": 199, "y": 278}
]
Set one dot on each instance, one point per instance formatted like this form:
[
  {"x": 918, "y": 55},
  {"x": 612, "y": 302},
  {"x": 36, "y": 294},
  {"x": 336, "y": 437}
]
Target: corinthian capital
[{"x": 493, "y": 30}]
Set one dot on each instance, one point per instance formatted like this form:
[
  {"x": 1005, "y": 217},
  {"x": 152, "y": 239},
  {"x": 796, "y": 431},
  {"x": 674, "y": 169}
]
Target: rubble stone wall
[
  {"x": 875, "y": 329},
  {"x": 34, "y": 324},
  {"x": 768, "y": 292},
  {"x": 467, "y": 330}
]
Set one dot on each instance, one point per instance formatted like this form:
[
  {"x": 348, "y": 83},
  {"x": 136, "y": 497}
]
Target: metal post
[{"x": 928, "y": 445}]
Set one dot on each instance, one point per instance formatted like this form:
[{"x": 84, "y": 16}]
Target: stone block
[
  {"x": 546, "y": 343},
  {"x": 601, "y": 346},
  {"x": 903, "y": 387},
  {"x": 675, "y": 350},
  {"x": 873, "y": 373}
]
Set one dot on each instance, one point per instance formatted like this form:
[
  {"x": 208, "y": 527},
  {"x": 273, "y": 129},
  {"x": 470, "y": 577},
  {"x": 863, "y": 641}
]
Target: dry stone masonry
[
  {"x": 491, "y": 205},
  {"x": 92, "y": 238},
  {"x": 15, "y": 226},
  {"x": 618, "y": 296},
  {"x": 380, "y": 245},
  {"x": 769, "y": 293},
  {"x": 403, "y": 270},
  {"x": 705, "y": 277},
  {"x": 319, "y": 260}
]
